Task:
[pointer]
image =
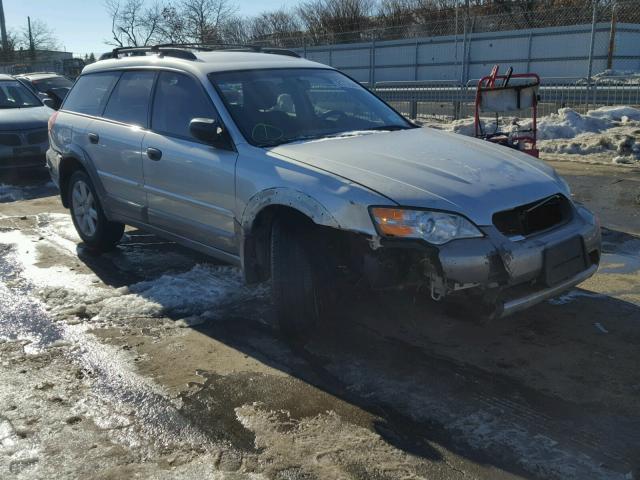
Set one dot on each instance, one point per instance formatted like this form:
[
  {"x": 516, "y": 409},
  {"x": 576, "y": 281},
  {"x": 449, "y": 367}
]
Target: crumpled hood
[
  {"x": 12, "y": 119},
  {"x": 428, "y": 168}
]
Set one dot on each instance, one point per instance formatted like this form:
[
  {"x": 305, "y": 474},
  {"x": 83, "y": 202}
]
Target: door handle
[
  {"x": 154, "y": 154},
  {"x": 94, "y": 137}
]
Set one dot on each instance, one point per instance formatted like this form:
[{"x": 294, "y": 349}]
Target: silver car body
[{"x": 211, "y": 201}]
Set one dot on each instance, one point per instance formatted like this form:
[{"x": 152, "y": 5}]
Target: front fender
[{"x": 287, "y": 197}]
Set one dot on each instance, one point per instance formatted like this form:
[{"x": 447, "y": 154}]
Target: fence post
[
  {"x": 304, "y": 46},
  {"x": 529, "y": 52},
  {"x": 591, "y": 46},
  {"x": 372, "y": 61},
  {"x": 612, "y": 37},
  {"x": 415, "y": 59},
  {"x": 464, "y": 51}
]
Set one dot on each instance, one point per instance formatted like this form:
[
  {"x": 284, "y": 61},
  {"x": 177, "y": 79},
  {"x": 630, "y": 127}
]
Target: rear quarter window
[{"x": 90, "y": 93}]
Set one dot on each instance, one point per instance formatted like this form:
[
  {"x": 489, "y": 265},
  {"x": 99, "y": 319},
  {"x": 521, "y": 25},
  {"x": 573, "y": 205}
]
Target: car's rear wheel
[
  {"x": 88, "y": 217},
  {"x": 295, "y": 277}
]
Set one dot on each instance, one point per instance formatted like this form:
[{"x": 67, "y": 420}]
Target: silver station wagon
[{"x": 296, "y": 173}]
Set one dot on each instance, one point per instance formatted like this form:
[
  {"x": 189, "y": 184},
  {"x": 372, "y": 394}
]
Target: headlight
[{"x": 434, "y": 227}]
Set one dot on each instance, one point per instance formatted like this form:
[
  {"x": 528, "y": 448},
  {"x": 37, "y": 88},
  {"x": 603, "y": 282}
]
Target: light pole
[{"x": 3, "y": 31}]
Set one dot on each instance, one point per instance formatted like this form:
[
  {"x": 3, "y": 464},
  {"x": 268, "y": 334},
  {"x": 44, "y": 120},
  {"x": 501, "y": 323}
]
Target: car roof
[
  {"x": 4, "y": 76},
  {"x": 38, "y": 75},
  {"x": 205, "y": 62}
]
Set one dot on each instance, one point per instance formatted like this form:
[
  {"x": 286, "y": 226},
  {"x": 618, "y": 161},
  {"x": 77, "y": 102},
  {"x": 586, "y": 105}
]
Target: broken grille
[{"x": 533, "y": 217}]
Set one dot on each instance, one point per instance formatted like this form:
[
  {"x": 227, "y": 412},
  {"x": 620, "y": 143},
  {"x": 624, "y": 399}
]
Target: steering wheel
[{"x": 338, "y": 114}]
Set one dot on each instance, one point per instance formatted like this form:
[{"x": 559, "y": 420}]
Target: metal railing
[{"x": 449, "y": 100}]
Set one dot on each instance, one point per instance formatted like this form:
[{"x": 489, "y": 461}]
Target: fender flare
[
  {"x": 287, "y": 197},
  {"x": 80, "y": 156}
]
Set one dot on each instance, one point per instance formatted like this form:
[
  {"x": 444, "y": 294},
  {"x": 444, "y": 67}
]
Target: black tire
[
  {"x": 294, "y": 279},
  {"x": 105, "y": 235}
]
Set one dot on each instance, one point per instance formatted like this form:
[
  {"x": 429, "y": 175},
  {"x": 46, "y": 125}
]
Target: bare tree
[
  {"x": 237, "y": 30},
  {"x": 133, "y": 23},
  {"x": 279, "y": 28},
  {"x": 42, "y": 37},
  {"x": 341, "y": 20},
  {"x": 173, "y": 27},
  {"x": 396, "y": 13},
  {"x": 204, "y": 20}
]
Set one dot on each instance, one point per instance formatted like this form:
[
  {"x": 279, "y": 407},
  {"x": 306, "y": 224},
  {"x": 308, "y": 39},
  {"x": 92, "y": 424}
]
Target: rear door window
[
  {"x": 129, "y": 102},
  {"x": 90, "y": 93},
  {"x": 178, "y": 100}
]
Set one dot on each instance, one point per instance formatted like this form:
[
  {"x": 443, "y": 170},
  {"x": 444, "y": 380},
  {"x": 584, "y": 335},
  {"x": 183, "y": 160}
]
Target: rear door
[
  {"x": 115, "y": 142},
  {"x": 190, "y": 185}
]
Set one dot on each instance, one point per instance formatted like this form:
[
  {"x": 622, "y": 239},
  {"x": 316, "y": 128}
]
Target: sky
[{"x": 82, "y": 26}]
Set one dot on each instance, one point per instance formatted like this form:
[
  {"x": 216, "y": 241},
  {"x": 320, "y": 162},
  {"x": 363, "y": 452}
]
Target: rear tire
[
  {"x": 92, "y": 225},
  {"x": 294, "y": 280}
]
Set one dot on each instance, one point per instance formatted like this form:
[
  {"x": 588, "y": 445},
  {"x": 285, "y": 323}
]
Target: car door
[
  {"x": 189, "y": 184},
  {"x": 115, "y": 142}
]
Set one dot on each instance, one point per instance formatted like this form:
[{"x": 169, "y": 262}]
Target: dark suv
[{"x": 47, "y": 85}]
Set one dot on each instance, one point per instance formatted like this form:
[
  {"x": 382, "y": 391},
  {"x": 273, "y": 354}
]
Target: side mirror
[
  {"x": 206, "y": 130},
  {"x": 49, "y": 102}
]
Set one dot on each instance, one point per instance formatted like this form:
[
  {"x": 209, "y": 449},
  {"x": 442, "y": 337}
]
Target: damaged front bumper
[{"x": 509, "y": 274}]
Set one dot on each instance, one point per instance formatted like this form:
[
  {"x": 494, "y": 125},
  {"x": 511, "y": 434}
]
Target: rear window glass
[
  {"x": 129, "y": 102},
  {"x": 46, "y": 84},
  {"x": 90, "y": 93}
]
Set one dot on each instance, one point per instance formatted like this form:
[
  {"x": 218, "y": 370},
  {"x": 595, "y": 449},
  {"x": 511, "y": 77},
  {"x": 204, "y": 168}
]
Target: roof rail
[
  {"x": 185, "y": 50},
  {"x": 37, "y": 73}
]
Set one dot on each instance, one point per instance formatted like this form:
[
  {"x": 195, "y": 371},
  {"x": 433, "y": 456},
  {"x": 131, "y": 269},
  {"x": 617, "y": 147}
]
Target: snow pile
[
  {"x": 568, "y": 123},
  {"x": 12, "y": 193},
  {"x": 617, "y": 77},
  {"x": 611, "y": 132},
  {"x": 194, "y": 292}
]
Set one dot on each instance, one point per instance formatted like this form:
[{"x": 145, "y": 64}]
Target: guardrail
[{"x": 447, "y": 100}]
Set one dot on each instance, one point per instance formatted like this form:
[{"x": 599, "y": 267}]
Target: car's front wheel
[
  {"x": 295, "y": 279},
  {"x": 88, "y": 217}
]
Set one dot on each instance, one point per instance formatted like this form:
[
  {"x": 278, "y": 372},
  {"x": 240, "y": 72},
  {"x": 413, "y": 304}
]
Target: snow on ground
[
  {"x": 609, "y": 133},
  {"x": 188, "y": 294},
  {"x": 11, "y": 193}
]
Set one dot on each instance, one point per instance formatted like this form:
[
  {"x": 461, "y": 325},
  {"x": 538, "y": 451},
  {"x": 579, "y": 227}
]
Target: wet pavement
[{"x": 153, "y": 361}]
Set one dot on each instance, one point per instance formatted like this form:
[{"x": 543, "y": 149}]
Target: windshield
[
  {"x": 46, "y": 84},
  {"x": 272, "y": 107},
  {"x": 15, "y": 95}
]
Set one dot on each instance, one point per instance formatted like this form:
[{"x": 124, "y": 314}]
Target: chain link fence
[{"x": 587, "y": 55}]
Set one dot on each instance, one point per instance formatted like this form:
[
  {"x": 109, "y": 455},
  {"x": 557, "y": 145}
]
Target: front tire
[
  {"x": 294, "y": 280},
  {"x": 92, "y": 225}
]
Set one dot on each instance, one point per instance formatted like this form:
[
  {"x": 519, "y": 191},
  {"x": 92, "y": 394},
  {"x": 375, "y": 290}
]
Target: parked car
[
  {"x": 47, "y": 85},
  {"x": 294, "y": 172},
  {"x": 23, "y": 126}
]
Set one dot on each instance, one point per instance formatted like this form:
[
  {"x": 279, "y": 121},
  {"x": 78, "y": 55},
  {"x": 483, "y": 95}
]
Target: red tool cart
[{"x": 509, "y": 93}]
